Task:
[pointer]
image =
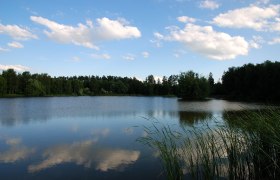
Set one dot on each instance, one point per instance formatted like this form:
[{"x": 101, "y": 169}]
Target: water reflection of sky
[
  {"x": 93, "y": 137},
  {"x": 15, "y": 150},
  {"x": 86, "y": 153}
]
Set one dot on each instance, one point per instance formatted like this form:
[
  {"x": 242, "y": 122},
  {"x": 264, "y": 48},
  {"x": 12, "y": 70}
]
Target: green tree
[
  {"x": 119, "y": 87},
  {"x": 211, "y": 82},
  {"x": 12, "y": 81},
  {"x": 23, "y": 80},
  {"x": 191, "y": 86},
  {"x": 77, "y": 86},
  {"x": 165, "y": 88},
  {"x": 3, "y": 86},
  {"x": 173, "y": 83},
  {"x": 35, "y": 88},
  {"x": 253, "y": 82},
  {"x": 150, "y": 85}
]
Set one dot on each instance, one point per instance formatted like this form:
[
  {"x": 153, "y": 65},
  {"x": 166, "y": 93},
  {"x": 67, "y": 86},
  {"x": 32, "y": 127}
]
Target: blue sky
[{"x": 137, "y": 38}]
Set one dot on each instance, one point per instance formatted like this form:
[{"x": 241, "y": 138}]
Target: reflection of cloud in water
[
  {"x": 17, "y": 151},
  {"x": 215, "y": 105},
  {"x": 128, "y": 131},
  {"x": 13, "y": 141},
  {"x": 86, "y": 153}
]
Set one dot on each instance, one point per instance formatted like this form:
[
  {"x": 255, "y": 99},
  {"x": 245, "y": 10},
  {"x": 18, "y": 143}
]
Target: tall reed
[{"x": 246, "y": 146}]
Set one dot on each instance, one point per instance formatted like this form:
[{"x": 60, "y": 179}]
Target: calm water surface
[{"x": 92, "y": 137}]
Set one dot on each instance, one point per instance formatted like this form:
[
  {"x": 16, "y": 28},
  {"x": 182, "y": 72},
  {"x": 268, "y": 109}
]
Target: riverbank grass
[{"x": 246, "y": 146}]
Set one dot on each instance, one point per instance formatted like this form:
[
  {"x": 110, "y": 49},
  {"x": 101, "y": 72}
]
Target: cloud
[
  {"x": 253, "y": 17},
  {"x": 208, "y": 42},
  {"x": 100, "y": 56},
  {"x": 276, "y": 25},
  {"x": 15, "y": 45},
  {"x": 145, "y": 54},
  {"x": 157, "y": 39},
  {"x": 79, "y": 35},
  {"x": 110, "y": 30},
  {"x": 260, "y": 2},
  {"x": 76, "y": 59},
  {"x": 208, "y": 4},
  {"x": 256, "y": 42},
  {"x": 186, "y": 19},
  {"x": 18, "y": 68},
  {"x": 89, "y": 34},
  {"x": 274, "y": 41},
  {"x": 4, "y": 49},
  {"x": 87, "y": 154},
  {"x": 16, "y": 32},
  {"x": 178, "y": 53},
  {"x": 158, "y": 36},
  {"x": 129, "y": 57}
]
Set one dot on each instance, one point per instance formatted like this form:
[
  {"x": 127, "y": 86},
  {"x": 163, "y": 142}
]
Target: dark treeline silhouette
[
  {"x": 260, "y": 82},
  {"x": 26, "y": 84}
]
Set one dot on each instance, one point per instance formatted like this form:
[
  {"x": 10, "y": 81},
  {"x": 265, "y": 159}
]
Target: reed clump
[{"x": 245, "y": 146}]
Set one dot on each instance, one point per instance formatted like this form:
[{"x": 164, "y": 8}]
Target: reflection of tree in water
[
  {"x": 23, "y": 111},
  {"x": 241, "y": 119},
  {"x": 260, "y": 128},
  {"x": 191, "y": 118}
]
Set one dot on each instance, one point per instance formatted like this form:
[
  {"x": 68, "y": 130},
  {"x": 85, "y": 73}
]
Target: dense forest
[
  {"x": 249, "y": 82},
  {"x": 259, "y": 82},
  {"x": 26, "y": 84}
]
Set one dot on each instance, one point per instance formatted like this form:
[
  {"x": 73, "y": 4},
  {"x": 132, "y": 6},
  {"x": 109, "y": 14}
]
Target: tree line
[
  {"x": 27, "y": 84},
  {"x": 260, "y": 82},
  {"x": 249, "y": 82}
]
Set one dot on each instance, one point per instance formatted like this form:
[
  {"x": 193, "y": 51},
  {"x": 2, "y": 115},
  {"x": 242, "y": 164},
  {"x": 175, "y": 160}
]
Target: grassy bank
[{"x": 247, "y": 146}]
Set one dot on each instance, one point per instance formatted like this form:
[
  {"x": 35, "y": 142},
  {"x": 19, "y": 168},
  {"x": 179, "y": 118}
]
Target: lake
[{"x": 93, "y": 137}]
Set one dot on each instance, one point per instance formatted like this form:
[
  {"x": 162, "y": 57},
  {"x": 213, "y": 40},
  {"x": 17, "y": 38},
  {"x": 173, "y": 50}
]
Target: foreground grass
[{"x": 247, "y": 146}]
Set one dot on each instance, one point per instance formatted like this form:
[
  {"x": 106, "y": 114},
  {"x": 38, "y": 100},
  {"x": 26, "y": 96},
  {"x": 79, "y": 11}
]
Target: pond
[{"x": 92, "y": 137}]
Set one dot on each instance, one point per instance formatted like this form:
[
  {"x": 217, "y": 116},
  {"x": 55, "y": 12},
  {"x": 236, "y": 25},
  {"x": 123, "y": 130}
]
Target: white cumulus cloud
[
  {"x": 88, "y": 34},
  {"x": 186, "y": 19},
  {"x": 210, "y": 43},
  {"x": 3, "y": 49},
  {"x": 145, "y": 54},
  {"x": 274, "y": 41},
  {"x": 15, "y": 45},
  {"x": 16, "y": 32},
  {"x": 209, "y": 4},
  {"x": 109, "y": 30},
  {"x": 101, "y": 56},
  {"x": 129, "y": 57},
  {"x": 256, "y": 42},
  {"x": 18, "y": 68},
  {"x": 253, "y": 17}
]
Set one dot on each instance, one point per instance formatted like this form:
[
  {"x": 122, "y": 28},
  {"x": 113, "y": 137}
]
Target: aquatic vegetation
[{"x": 246, "y": 146}]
